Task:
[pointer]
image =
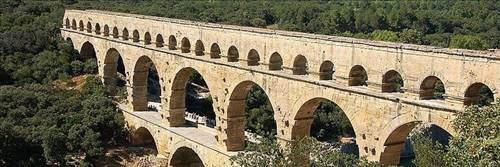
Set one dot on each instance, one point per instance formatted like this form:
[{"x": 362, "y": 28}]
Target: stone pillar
[{"x": 231, "y": 128}]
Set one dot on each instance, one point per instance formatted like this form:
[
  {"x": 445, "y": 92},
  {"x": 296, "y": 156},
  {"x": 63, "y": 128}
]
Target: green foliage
[
  {"x": 428, "y": 152},
  {"x": 384, "y": 35},
  {"x": 260, "y": 115},
  {"x": 330, "y": 123},
  {"x": 468, "y": 42}
]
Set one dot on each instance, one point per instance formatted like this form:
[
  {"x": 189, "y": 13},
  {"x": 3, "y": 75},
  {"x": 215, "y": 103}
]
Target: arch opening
[
  {"x": 172, "y": 42},
  {"x": 191, "y": 98},
  {"x": 215, "y": 51},
  {"x": 97, "y": 28},
  {"x": 89, "y": 27},
  {"x": 89, "y": 58},
  {"x": 115, "y": 32},
  {"x": 326, "y": 70},
  {"x": 159, "y": 41},
  {"x": 358, "y": 76},
  {"x": 478, "y": 94},
  {"x": 66, "y": 23},
  {"x": 143, "y": 138},
  {"x": 106, "y": 30},
  {"x": 392, "y": 82},
  {"x": 233, "y": 54},
  {"x": 125, "y": 34},
  {"x": 73, "y": 24},
  {"x": 275, "y": 62},
  {"x": 146, "y": 86},
  {"x": 184, "y": 157},
  {"x": 249, "y": 110},
  {"x": 432, "y": 88},
  {"x": 300, "y": 65},
  {"x": 147, "y": 38},
  {"x": 405, "y": 141},
  {"x": 199, "y": 49},
  {"x": 81, "y": 26},
  {"x": 135, "y": 36},
  {"x": 114, "y": 77},
  {"x": 325, "y": 121},
  {"x": 253, "y": 58},
  {"x": 185, "y": 45}
]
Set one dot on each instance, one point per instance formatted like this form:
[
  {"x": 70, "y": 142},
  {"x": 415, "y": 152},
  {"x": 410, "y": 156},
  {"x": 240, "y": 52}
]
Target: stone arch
[
  {"x": 394, "y": 141},
  {"x": 233, "y": 54},
  {"x": 113, "y": 64},
  {"x": 275, "y": 62},
  {"x": 185, "y": 45},
  {"x": 140, "y": 83},
  {"x": 66, "y": 23},
  {"x": 358, "y": 76},
  {"x": 185, "y": 157},
  {"x": 135, "y": 36},
  {"x": 73, "y": 24},
  {"x": 177, "y": 105},
  {"x": 106, "y": 30},
  {"x": 88, "y": 53},
  {"x": 159, "y": 41},
  {"x": 478, "y": 94},
  {"x": 97, "y": 28},
  {"x": 147, "y": 38},
  {"x": 143, "y": 137},
  {"x": 89, "y": 27},
  {"x": 81, "y": 26},
  {"x": 253, "y": 58},
  {"x": 125, "y": 34},
  {"x": 236, "y": 116},
  {"x": 326, "y": 70},
  {"x": 392, "y": 81},
  {"x": 432, "y": 88},
  {"x": 115, "y": 32},
  {"x": 70, "y": 41},
  {"x": 215, "y": 51},
  {"x": 300, "y": 65},
  {"x": 172, "y": 42},
  {"x": 199, "y": 48}
]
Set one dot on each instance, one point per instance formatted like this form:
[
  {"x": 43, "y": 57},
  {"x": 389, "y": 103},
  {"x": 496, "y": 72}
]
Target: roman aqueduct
[{"x": 296, "y": 70}]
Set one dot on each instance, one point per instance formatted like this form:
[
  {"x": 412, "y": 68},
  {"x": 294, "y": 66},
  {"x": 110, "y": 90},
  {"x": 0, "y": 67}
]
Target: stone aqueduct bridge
[{"x": 296, "y": 70}]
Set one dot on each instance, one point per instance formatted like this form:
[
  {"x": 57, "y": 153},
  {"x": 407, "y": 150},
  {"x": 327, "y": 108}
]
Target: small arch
[
  {"x": 73, "y": 24},
  {"x": 97, "y": 28},
  {"x": 106, "y": 30},
  {"x": 326, "y": 70},
  {"x": 392, "y": 82},
  {"x": 432, "y": 88},
  {"x": 159, "y": 41},
  {"x": 142, "y": 137},
  {"x": 215, "y": 51},
  {"x": 253, "y": 58},
  {"x": 275, "y": 62},
  {"x": 184, "y": 157},
  {"x": 478, "y": 94},
  {"x": 89, "y": 27},
  {"x": 172, "y": 42},
  {"x": 185, "y": 45},
  {"x": 81, "y": 26},
  {"x": 199, "y": 48},
  {"x": 358, "y": 76},
  {"x": 67, "y": 24},
  {"x": 147, "y": 38},
  {"x": 125, "y": 34},
  {"x": 233, "y": 54},
  {"x": 300, "y": 65},
  {"x": 135, "y": 36},
  {"x": 115, "y": 32}
]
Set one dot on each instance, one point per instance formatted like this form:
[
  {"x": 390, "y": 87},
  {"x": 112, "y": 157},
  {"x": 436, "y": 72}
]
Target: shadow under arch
[
  {"x": 478, "y": 94},
  {"x": 114, "y": 71},
  {"x": 358, "y": 76},
  {"x": 185, "y": 157},
  {"x": 142, "y": 137},
  {"x": 432, "y": 88},
  {"x": 145, "y": 78},
  {"x": 392, "y": 82}
]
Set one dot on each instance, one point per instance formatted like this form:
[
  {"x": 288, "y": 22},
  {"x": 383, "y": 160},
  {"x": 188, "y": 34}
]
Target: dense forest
[{"x": 45, "y": 124}]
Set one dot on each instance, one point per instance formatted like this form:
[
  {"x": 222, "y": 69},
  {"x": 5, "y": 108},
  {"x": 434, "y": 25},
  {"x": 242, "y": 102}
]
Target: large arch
[
  {"x": 142, "y": 137},
  {"x": 300, "y": 65},
  {"x": 392, "y": 81},
  {"x": 140, "y": 85},
  {"x": 275, "y": 62},
  {"x": 326, "y": 70},
  {"x": 358, "y": 76},
  {"x": 185, "y": 45},
  {"x": 233, "y": 54},
  {"x": 478, "y": 94},
  {"x": 178, "y": 97},
  {"x": 236, "y": 116},
  {"x": 253, "y": 58},
  {"x": 215, "y": 51},
  {"x": 185, "y": 157},
  {"x": 114, "y": 71},
  {"x": 199, "y": 49},
  {"x": 88, "y": 52},
  {"x": 432, "y": 88}
]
